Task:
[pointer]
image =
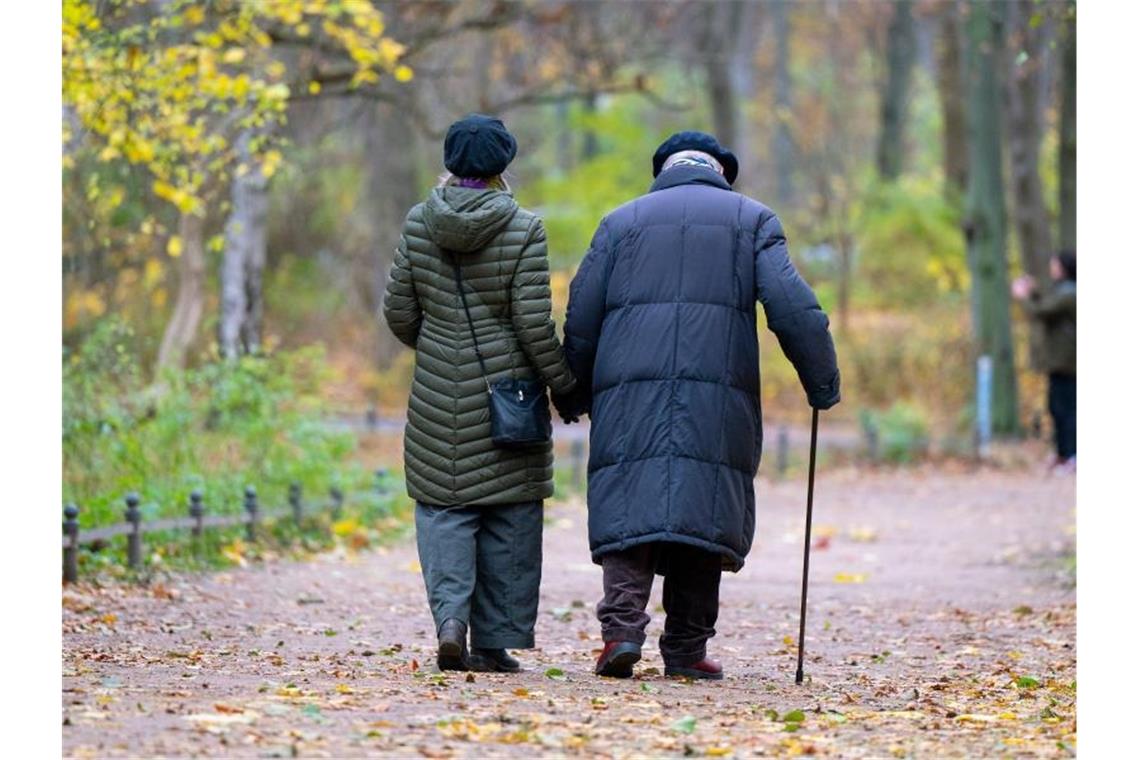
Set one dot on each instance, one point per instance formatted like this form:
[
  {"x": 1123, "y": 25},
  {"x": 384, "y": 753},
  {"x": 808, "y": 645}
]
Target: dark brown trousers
[{"x": 690, "y": 596}]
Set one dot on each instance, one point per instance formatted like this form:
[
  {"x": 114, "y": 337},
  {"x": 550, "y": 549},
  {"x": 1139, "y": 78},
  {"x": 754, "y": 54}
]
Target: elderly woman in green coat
[{"x": 478, "y": 506}]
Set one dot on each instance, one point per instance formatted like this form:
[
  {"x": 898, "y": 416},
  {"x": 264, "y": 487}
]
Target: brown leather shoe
[
  {"x": 707, "y": 669},
  {"x": 617, "y": 659}
]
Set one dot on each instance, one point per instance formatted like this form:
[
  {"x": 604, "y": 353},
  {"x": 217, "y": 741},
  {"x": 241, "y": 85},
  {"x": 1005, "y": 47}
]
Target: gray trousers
[
  {"x": 482, "y": 566},
  {"x": 690, "y": 595}
]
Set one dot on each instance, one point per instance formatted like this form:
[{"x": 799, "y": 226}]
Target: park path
[{"x": 941, "y": 624}]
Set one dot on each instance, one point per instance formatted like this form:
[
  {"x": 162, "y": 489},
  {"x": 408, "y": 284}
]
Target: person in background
[
  {"x": 661, "y": 335},
  {"x": 478, "y": 507},
  {"x": 1055, "y": 309}
]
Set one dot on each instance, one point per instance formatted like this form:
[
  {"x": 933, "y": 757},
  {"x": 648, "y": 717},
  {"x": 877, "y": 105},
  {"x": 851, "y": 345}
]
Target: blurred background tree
[{"x": 236, "y": 172}]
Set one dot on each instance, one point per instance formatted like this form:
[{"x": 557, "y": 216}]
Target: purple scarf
[{"x": 473, "y": 182}]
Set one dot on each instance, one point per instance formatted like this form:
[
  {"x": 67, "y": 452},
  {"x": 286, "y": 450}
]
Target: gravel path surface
[{"x": 941, "y": 623}]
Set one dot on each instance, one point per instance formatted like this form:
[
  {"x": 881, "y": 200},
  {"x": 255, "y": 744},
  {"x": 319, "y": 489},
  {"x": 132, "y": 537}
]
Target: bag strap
[{"x": 470, "y": 323}]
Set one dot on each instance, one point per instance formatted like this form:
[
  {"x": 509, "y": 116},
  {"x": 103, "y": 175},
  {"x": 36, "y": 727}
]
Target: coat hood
[{"x": 466, "y": 219}]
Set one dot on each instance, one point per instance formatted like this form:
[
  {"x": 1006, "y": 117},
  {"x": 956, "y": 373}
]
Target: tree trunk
[
  {"x": 183, "y": 325},
  {"x": 1067, "y": 157},
  {"x": 902, "y": 48},
  {"x": 481, "y": 71},
  {"x": 565, "y": 138},
  {"x": 590, "y": 145},
  {"x": 715, "y": 48},
  {"x": 955, "y": 153},
  {"x": 727, "y": 48},
  {"x": 846, "y": 249},
  {"x": 393, "y": 186},
  {"x": 239, "y": 329},
  {"x": 985, "y": 224},
  {"x": 1023, "y": 131},
  {"x": 783, "y": 145}
]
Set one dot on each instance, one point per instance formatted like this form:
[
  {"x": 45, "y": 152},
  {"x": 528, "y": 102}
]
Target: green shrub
[
  {"x": 911, "y": 247},
  {"x": 218, "y": 427},
  {"x": 901, "y": 433}
]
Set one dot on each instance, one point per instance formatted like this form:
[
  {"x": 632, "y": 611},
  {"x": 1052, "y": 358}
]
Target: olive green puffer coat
[
  {"x": 448, "y": 455},
  {"x": 1056, "y": 310}
]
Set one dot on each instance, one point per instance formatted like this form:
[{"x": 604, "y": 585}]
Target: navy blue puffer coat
[{"x": 661, "y": 332}]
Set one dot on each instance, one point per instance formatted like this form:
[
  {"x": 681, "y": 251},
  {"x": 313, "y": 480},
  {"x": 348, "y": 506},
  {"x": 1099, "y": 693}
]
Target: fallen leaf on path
[
  {"x": 685, "y": 725},
  {"x": 235, "y": 552},
  {"x": 345, "y": 527},
  {"x": 222, "y": 719},
  {"x": 850, "y": 577}
]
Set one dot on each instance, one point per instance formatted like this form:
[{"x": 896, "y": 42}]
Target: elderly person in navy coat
[{"x": 661, "y": 334}]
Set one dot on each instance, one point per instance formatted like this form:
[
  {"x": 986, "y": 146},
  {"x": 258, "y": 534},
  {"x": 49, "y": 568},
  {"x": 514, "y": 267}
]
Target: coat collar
[{"x": 688, "y": 175}]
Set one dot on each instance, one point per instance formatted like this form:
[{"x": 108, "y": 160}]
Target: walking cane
[{"x": 807, "y": 544}]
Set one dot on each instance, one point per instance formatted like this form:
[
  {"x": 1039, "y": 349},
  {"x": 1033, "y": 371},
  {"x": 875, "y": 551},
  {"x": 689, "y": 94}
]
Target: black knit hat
[
  {"x": 478, "y": 146},
  {"x": 705, "y": 143}
]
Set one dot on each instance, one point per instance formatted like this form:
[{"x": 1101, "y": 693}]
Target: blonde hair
[{"x": 498, "y": 182}]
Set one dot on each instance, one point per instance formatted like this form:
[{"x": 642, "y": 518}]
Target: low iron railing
[{"x": 196, "y": 522}]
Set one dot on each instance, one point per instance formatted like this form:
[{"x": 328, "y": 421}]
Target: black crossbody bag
[{"x": 520, "y": 414}]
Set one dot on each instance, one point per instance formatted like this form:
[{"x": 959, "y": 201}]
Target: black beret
[
  {"x": 701, "y": 141},
  {"x": 478, "y": 146}
]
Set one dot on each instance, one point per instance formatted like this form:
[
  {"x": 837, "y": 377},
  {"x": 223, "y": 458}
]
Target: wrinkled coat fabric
[
  {"x": 662, "y": 326},
  {"x": 448, "y": 455}
]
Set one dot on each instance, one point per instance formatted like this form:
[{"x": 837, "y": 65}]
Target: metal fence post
[
  {"x": 71, "y": 551},
  {"x": 577, "y": 454},
  {"x": 134, "y": 538},
  {"x": 984, "y": 409},
  {"x": 337, "y": 500},
  {"x": 251, "y": 508},
  {"x": 197, "y": 511},
  {"x": 782, "y": 451},
  {"x": 295, "y": 502},
  {"x": 872, "y": 432}
]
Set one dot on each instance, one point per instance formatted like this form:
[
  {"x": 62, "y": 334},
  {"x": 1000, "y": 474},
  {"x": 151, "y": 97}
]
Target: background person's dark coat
[
  {"x": 662, "y": 328},
  {"x": 448, "y": 455}
]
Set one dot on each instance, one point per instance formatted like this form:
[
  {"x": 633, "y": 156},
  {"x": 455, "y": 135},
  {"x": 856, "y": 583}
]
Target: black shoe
[
  {"x": 452, "y": 645},
  {"x": 492, "y": 661},
  {"x": 617, "y": 659}
]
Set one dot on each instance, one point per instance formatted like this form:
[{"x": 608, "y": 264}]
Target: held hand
[
  {"x": 571, "y": 406},
  {"x": 1022, "y": 287}
]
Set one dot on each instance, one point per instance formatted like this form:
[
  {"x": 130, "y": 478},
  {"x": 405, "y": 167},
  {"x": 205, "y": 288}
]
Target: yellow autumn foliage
[{"x": 171, "y": 91}]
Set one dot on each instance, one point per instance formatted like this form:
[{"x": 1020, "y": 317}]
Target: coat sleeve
[
  {"x": 585, "y": 313},
  {"x": 530, "y": 314},
  {"x": 401, "y": 304},
  {"x": 794, "y": 315},
  {"x": 1050, "y": 305}
]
